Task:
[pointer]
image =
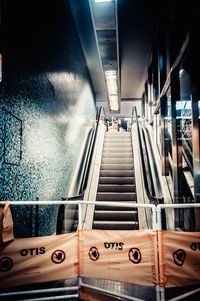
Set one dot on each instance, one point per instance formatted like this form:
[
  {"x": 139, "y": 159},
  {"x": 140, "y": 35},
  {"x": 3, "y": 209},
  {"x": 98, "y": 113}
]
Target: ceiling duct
[{"x": 104, "y": 13}]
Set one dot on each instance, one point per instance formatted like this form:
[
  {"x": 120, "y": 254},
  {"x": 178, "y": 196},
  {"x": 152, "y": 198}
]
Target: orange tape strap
[
  {"x": 179, "y": 258},
  {"x": 127, "y": 256},
  {"x": 39, "y": 259}
]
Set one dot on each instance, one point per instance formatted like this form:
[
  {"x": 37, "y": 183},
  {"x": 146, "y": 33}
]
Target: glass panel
[
  {"x": 184, "y": 119},
  {"x": 158, "y": 132},
  {"x": 168, "y": 139},
  {"x": 168, "y": 122}
]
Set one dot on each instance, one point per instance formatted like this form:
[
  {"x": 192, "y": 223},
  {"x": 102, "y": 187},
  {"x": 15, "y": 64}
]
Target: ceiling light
[
  {"x": 102, "y": 0},
  {"x": 111, "y": 82}
]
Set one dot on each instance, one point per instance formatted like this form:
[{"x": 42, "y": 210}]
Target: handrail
[
  {"x": 86, "y": 167},
  {"x": 152, "y": 199},
  {"x": 88, "y": 158}
]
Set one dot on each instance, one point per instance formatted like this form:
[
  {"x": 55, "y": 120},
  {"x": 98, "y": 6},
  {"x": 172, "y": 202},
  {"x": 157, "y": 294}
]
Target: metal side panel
[
  {"x": 164, "y": 186},
  {"x": 138, "y": 180}
]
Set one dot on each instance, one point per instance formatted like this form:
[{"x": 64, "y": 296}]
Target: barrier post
[
  {"x": 79, "y": 228},
  {"x": 159, "y": 224},
  {"x": 160, "y": 291},
  {"x": 79, "y": 216},
  {"x": 154, "y": 218}
]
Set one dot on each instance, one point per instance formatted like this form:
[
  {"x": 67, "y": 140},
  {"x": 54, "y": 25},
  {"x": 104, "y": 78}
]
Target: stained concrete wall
[{"x": 47, "y": 105}]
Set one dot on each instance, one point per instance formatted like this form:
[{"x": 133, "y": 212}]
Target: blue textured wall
[{"x": 46, "y": 107}]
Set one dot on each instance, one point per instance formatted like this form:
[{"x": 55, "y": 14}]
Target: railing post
[
  {"x": 160, "y": 291},
  {"x": 154, "y": 218},
  {"x": 159, "y": 220},
  {"x": 79, "y": 228},
  {"x": 79, "y": 216}
]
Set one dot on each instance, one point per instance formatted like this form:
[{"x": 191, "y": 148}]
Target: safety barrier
[{"x": 142, "y": 257}]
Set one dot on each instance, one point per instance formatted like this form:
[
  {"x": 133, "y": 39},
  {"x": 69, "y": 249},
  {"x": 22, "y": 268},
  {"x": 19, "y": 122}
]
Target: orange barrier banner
[
  {"x": 127, "y": 256},
  {"x": 6, "y": 223},
  {"x": 39, "y": 259},
  {"x": 179, "y": 258}
]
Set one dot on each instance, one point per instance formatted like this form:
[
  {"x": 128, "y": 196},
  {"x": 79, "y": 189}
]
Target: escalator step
[
  {"x": 115, "y": 225},
  {"x": 117, "y": 166},
  {"x": 116, "y": 180},
  {"x": 112, "y": 196},
  {"x": 116, "y": 188},
  {"x": 112, "y": 215},
  {"x": 116, "y": 173}
]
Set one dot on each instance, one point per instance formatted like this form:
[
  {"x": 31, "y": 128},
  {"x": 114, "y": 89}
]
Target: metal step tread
[
  {"x": 118, "y": 133},
  {"x": 117, "y": 161},
  {"x": 119, "y": 144},
  {"x": 116, "y": 173},
  {"x": 115, "y": 197},
  {"x": 119, "y": 166},
  {"x": 116, "y": 211},
  {"x": 118, "y": 140},
  {"x": 116, "y": 188},
  {"x": 116, "y": 222},
  {"x": 115, "y": 208},
  {"x": 117, "y": 180},
  {"x": 101, "y": 215},
  {"x": 115, "y": 193},
  {"x": 117, "y": 155},
  {"x": 117, "y": 149}
]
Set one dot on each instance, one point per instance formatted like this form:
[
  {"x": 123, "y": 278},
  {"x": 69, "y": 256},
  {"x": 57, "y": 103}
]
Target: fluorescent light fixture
[
  {"x": 111, "y": 82},
  {"x": 181, "y": 72},
  {"x": 102, "y": 0}
]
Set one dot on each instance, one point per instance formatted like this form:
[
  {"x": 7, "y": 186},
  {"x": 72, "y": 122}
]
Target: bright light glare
[
  {"x": 111, "y": 82},
  {"x": 102, "y": 0}
]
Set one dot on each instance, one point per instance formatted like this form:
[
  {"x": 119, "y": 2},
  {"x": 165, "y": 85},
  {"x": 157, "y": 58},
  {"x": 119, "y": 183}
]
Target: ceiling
[
  {"x": 136, "y": 30},
  {"x": 137, "y": 26}
]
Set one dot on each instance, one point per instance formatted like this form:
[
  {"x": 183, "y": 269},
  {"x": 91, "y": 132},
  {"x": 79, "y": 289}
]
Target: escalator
[
  {"x": 116, "y": 184},
  {"x": 187, "y": 148},
  {"x": 111, "y": 178}
]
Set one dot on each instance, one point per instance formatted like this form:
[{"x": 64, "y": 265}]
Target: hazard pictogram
[
  {"x": 58, "y": 256},
  {"x": 135, "y": 255},
  {"x": 179, "y": 257},
  {"x": 6, "y": 264},
  {"x": 94, "y": 254}
]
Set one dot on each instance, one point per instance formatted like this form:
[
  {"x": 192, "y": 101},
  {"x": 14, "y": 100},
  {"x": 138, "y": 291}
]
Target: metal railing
[
  {"x": 157, "y": 225},
  {"x": 80, "y": 204}
]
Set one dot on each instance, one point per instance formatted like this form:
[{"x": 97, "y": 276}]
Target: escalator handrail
[
  {"x": 89, "y": 156},
  {"x": 152, "y": 199},
  {"x": 87, "y": 161}
]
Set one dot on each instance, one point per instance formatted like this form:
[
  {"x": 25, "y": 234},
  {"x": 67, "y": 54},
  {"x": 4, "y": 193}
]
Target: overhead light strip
[
  {"x": 111, "y": 82},
  {"x": 102, "y": 0}
]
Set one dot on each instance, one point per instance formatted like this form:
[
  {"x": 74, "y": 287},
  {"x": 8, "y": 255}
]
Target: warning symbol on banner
[
  {"x": 94, "y": 254},
  {"x": 179, "y": 257},
  {"x": 135, "y": 255},
  {"x": 6, "y": 264},
  {"x": 58, "y": 256}
]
